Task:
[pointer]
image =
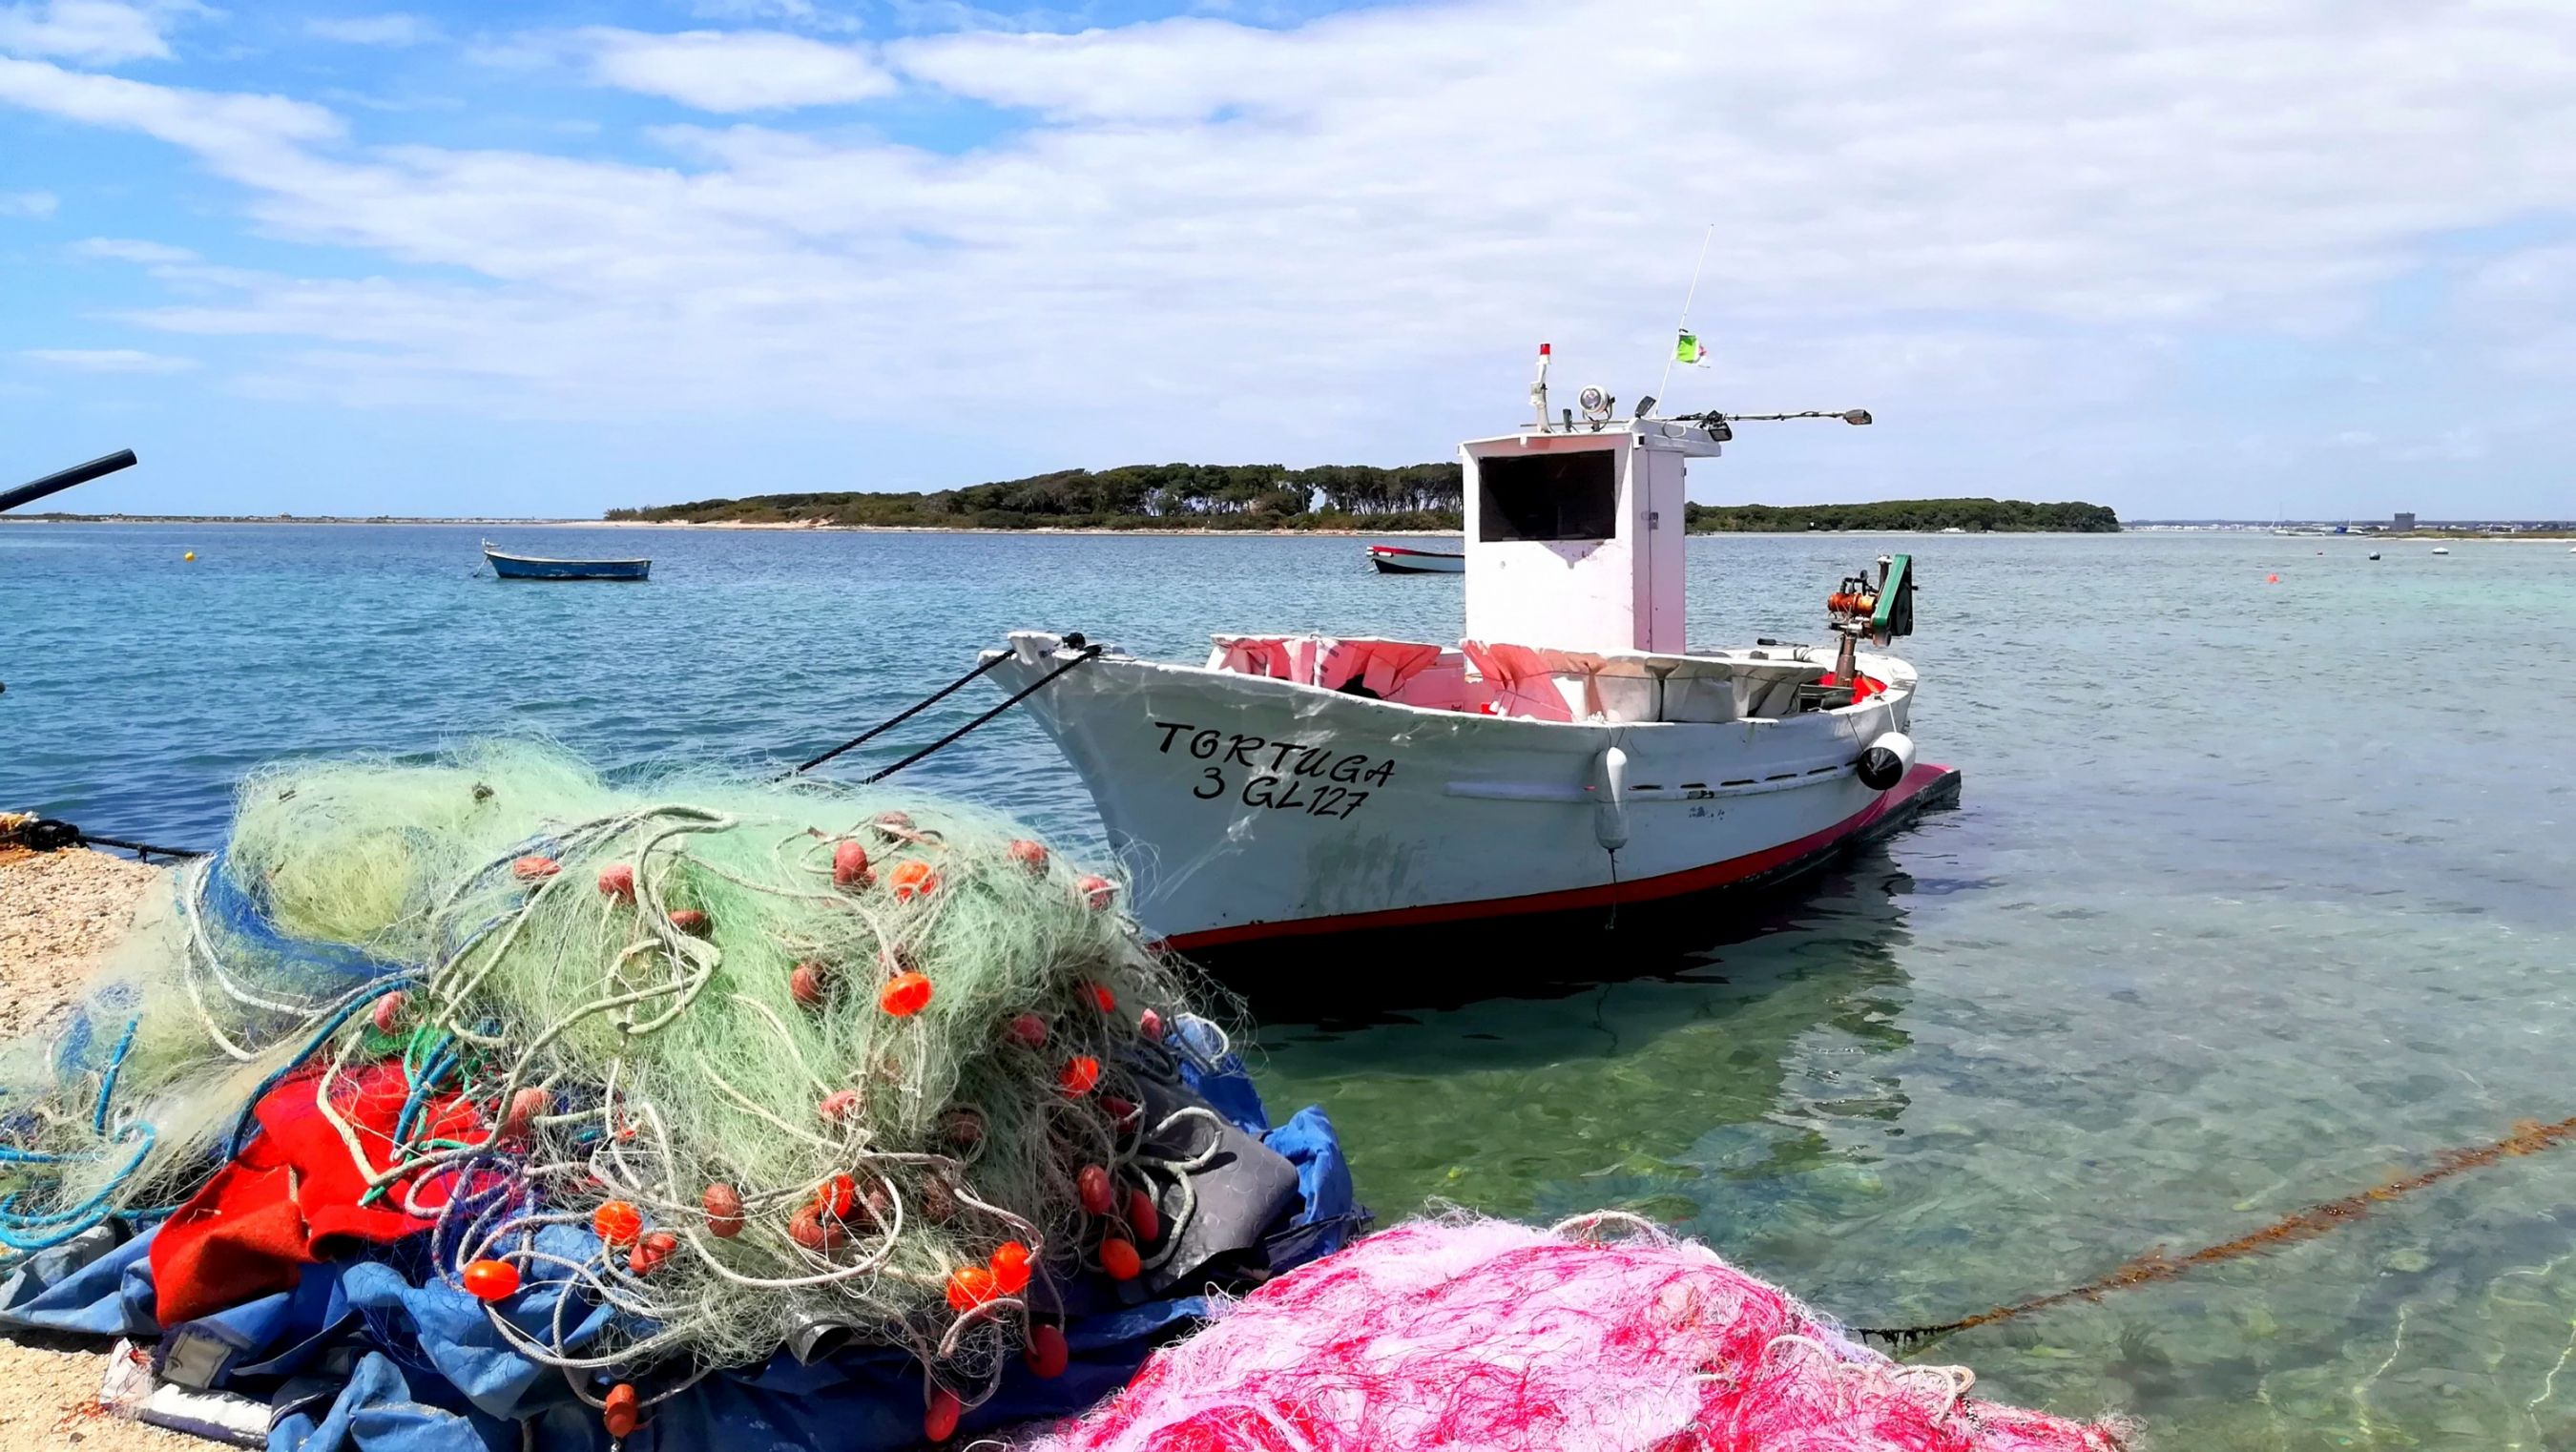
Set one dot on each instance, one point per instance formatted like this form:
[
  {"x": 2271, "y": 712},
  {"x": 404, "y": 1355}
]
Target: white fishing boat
[
  {"x": 1573, "y": 755},
  {"x": 1397, "y": 560}
]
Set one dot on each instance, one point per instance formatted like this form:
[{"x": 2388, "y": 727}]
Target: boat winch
[{"x": 1879, "y": 612}]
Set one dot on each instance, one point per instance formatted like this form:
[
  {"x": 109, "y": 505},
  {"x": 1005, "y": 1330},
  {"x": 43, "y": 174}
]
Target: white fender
[
  {"x": 1887, "y": 761},
  {"x": 1610, "y": 798}
]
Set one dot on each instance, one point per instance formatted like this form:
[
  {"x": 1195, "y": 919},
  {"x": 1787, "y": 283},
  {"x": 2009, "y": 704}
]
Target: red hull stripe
[
  {"x": 1644, "y": 889},
  {"x": 1426, "y": 554}
]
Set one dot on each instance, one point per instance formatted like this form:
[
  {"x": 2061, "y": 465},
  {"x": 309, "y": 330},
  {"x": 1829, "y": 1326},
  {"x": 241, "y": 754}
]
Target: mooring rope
[{"x": 2528, "y": 1137}]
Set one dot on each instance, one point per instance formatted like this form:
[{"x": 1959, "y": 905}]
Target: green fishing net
[{"x": 801, "y": 1056}]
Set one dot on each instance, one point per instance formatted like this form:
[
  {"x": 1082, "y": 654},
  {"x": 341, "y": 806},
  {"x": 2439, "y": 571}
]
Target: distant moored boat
[
  {"x": 1397, "y": 560},
  {"x": 539, "y": 567}
]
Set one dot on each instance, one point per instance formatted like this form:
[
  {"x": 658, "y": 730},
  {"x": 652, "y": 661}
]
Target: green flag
[{"x": 1688, "y": 349}]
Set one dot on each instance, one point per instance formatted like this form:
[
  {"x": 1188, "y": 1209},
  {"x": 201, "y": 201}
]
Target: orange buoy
[
  {"x": 1092, "y": 1185},
  {"x": 651, "y": 1251},
  {"x": 810, "y": 984},
  {"x": 1028, "y": 1030},
  {"x": 490, "y": 1280},
  {"x": 911, "y": 880},
  {"x": 1080, "y": 1074},
  {"x": 939, "y": 1422},
  {"x": 1150, "y": 1024},
  {"x": 1011, "y": 1268},
  {"x": 1100, "y": 892},
  {"x": 690, "y": 920},
  {"x": 618, "y": 1411},
  {"x": 535, "y": 868},
  {"x": 617, "y": 1222},
  {"x": 970, "y": 1286},
  {"x": 1047, "y": 1354},
  {"x": 1030, "y": 855},
  {"x": 1101, "y": 995},
  {"x": 850, "y": 865},
  {"x": 388, "y": 1012},
  {"x": 905, "y": 994},
  {"x": 1143, "y": 1218},
  {"x": 723, "y": 1205},
  {"x": 839, "y": 1197},
  {"x": 617, "y": 880},
  {"x": 1120, "y": 1259},
  {"x": 838, "y": 1105},
  {"x": 2271, "y": 579},
  {"x": 808, "y": 1228}
]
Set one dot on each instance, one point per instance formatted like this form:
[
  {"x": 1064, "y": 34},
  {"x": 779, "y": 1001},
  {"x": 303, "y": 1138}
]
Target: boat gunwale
[{"x": 1897, "y": 691}]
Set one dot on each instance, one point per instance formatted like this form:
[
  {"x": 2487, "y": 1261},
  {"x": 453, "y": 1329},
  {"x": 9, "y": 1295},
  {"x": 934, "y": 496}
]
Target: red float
[
  {"x": 850, "y": 865},
  {"x": 1120, "y": 1259},
  {"x": 939, "y": 1423},
  {"x": 905, "y": 994},
  {"x": 618, "y": 881},
  {"x": 617, "y": 1222},
  {"x": 1047, "y": 1355},
  {"x": 618, "y": 1412},
  {"x": 491, "y": 1280},
  {"x": 724, "y": 1211},
  {"x": 1011, "y": 1268}
]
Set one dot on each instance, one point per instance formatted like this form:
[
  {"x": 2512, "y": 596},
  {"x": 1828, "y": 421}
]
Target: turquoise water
[{"x": 2258, "y": 894}]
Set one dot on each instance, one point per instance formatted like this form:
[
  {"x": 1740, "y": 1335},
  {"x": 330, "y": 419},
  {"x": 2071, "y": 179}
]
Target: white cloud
[
  {"x": 121, "y": 249},
  {"x": 99, "y": 32},
  {"x": 108, "y": 360},
  {"x": 28, "y": 204},
  {"x": 240, "y": 135},
  {"x": 1346, "y": 236},
  {"x": 393, "y": 29},
  {"x": 733, "y": 70}
]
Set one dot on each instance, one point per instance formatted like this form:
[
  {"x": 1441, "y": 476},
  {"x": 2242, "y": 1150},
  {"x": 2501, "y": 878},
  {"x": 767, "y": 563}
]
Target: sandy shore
[{"x": 58, "y": 912}]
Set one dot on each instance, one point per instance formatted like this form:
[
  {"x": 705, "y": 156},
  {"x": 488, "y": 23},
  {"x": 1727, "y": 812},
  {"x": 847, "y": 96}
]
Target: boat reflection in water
[{"x": 1649, "y": 1077}]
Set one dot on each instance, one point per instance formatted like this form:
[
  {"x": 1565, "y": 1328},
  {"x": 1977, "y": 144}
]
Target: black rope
[
  {"x": 1086, "y": 653},
  {"x": 915, "y": 709},
  {"x": 50, "y": 834}
]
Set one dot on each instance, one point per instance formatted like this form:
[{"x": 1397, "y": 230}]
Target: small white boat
[
  {"x": 1571, "y": 757},
  {"x": 1397, "y": 560},
  {"x": 2441, "y": 549}
]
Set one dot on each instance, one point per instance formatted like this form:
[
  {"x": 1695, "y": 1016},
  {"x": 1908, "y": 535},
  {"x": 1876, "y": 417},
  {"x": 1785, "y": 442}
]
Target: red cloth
[{"x": 293, "y": 1192}]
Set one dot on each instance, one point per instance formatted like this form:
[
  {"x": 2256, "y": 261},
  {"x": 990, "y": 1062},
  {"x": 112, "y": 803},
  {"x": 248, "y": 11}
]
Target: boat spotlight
[
  {"x": 1596, "y": 405},
  {"x": 1855, "y": 415}
]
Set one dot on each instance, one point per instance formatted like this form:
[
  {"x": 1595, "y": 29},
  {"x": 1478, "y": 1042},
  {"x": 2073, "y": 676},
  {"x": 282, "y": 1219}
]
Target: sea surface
[{"x": 2260, "y": 894}]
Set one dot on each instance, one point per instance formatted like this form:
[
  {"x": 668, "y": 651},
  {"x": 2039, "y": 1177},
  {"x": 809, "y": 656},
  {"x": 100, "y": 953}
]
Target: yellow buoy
[{"x": 190, "y": 555}]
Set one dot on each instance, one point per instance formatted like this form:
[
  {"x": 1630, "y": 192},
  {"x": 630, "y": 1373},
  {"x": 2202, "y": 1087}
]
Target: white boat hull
[{"x": 1247, "y": 808}]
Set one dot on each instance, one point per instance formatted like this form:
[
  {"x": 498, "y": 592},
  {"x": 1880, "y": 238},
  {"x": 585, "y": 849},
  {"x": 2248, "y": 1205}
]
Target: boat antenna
[{"x": 1683, "y": 327}]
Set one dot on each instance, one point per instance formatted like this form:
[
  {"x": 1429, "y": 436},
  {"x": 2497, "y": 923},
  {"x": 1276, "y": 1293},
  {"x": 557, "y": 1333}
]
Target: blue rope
[
  {"x": 115, "y": 1065},
  {"x": 360, "y": 1000},
  {"x": 68, "y": 1225}
]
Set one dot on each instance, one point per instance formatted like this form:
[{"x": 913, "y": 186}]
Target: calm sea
[{"x": 2259, "y": 893}]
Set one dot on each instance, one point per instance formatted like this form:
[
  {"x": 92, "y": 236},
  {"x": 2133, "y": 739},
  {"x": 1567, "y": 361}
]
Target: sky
[{"x": 2203, "y": 258}]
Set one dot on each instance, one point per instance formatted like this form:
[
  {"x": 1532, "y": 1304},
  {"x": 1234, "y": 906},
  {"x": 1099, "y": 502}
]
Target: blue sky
[{"x": 2315, "y": 259}]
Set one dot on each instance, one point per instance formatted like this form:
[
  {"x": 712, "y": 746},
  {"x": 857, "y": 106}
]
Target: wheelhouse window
[{"x": 1569, "y": 496}]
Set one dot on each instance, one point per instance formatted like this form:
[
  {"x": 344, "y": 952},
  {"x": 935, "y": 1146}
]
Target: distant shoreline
[{"x": 804, "y": 527}]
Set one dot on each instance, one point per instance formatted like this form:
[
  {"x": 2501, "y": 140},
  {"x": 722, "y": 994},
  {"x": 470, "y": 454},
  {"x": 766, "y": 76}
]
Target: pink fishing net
[{"x": 1602, "y": 1334}]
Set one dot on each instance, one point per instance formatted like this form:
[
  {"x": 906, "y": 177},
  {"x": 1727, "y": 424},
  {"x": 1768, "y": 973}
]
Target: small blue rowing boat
[{"x": 538, "y": 567}]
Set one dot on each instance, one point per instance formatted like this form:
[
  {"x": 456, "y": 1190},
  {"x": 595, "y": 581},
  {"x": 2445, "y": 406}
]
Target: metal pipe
[{"x": 56, "y": 483}]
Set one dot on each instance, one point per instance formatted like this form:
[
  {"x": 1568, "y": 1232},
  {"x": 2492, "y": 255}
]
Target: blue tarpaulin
[{"x": 380, "y": 1355}]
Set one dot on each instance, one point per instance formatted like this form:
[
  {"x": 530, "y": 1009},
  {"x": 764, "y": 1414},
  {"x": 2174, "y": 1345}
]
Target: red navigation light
[{"x": 1542, "y": 350}]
